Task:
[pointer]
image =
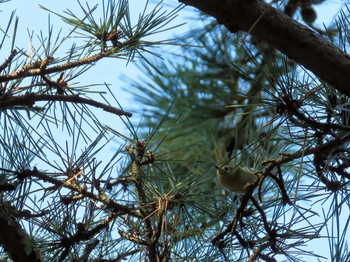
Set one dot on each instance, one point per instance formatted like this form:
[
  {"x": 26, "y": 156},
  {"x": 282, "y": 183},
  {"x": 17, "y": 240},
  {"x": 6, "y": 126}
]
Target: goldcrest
[{"x": 236, "y": 179}]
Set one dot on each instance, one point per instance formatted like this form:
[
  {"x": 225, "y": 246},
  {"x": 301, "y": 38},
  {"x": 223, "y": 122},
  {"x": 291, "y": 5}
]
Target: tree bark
[
  {"x": 15, "y": 241},
  {"x": 272, "y": 26}
]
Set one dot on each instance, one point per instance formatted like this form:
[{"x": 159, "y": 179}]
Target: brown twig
[
  {"x": 8, "y": 60},
  {"x": 110, "y": 204},
  {"x": 136, "y": 154},
  {"x": 30, "y": 99},
  {"x": 83, "y": 235},
  {"x": 35, "y": 70}
]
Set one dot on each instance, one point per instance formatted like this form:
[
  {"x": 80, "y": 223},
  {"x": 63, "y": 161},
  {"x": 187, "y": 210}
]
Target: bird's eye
[{"x": 226, "y": 168}]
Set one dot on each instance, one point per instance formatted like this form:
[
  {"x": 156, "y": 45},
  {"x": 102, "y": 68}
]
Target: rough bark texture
[
  {"x": 285, "y": 34},
  {"x": 15, "y": 240}
]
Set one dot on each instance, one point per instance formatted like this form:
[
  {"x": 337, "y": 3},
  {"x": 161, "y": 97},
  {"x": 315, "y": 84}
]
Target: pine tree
[
  {"x": 233, "y": 98},
  {"x": 60, "y": 199},
  {"x": 233, "y": 93}
]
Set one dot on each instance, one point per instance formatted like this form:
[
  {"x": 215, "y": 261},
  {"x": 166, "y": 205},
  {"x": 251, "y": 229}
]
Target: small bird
[{"x": 236, "y": 179}]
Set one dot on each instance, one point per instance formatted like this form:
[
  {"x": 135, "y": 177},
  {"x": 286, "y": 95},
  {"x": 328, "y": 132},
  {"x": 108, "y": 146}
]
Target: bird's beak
[{"x": 217, "y": 167}]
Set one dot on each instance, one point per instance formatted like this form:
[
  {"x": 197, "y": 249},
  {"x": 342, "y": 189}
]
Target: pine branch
[
  {"x": 40, "y": 68},
  {"x": 110, "y": 204},
  {"x": 284, "y": 33},
  {"x": 30, "y": 99}
]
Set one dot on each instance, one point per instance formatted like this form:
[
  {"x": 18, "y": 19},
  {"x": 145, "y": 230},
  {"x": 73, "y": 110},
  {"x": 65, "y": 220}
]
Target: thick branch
[
  {"x": 16, "y": 242},
  {"x": 284, "y": 33}
]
